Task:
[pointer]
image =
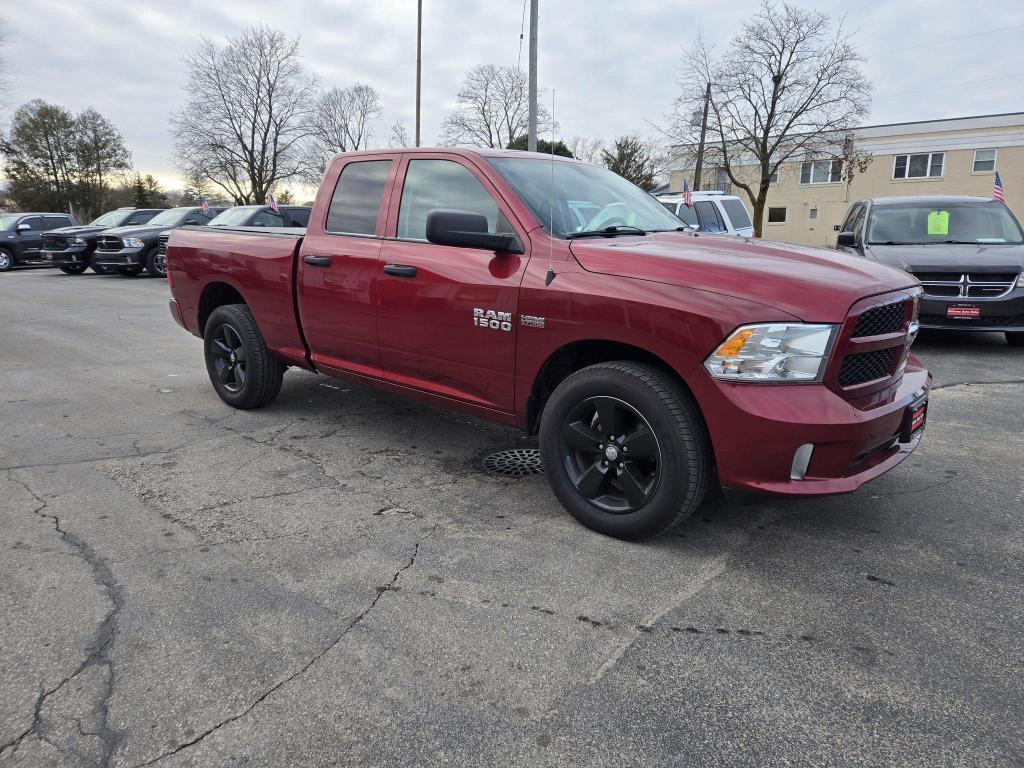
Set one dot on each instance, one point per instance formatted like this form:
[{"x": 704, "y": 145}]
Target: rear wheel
[
  {"x": 625, "y": 449},
  {"x": 1015, "y": 338},
  {"x": 242, "y": 370},
  {"x": 72, "y": 269},
  {"x": 127, "y": 271},
  {"x": 156, "y": 263},
  {"x": 6, "y": 260}
]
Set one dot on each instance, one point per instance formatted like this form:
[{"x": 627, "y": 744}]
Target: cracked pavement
[{"x": 334, "y": 580}]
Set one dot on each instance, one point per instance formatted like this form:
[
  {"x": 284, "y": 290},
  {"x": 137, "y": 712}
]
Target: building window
[
  {"x": 773, "y": 178},
  {"x": 776, "y": 215},
  {"x": 821, "y": 171},
  {"x": 984, "y": 160},
  {"x": 813, "y": 213},
  {"x": 925, "y": 165}
]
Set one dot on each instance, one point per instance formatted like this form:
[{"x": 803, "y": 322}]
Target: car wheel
[
  {"x": 625, "y": 449},
  {"x": 6, "y": 260},
  {"x": 156, "y": 263},
  {"x": 72, "y": 269},
  {"x": 1015, "y": 338},
  {"x": 242, "y": 370},
  {"x": 127, "y": 271}
]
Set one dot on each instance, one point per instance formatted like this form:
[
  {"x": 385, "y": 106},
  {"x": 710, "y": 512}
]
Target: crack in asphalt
[
  {"x": 97, "y": 651},
  {"x": 936, "y": 387},
  {"x": 381, "y": 591}
]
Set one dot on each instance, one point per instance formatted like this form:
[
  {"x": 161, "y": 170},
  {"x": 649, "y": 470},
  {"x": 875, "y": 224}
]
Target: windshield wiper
[{"x": 614, "y": 229}]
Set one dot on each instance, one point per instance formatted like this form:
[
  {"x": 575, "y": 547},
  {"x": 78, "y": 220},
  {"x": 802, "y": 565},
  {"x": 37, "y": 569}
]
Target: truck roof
[
  {"x": 933, "y": 199},
  {"x": 463, "y": 152}
]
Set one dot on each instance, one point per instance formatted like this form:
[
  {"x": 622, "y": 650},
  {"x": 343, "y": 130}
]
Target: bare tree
[
  {"x": 5, "y": 66},
  {"x": 399, "y": 136},
  {"x": 247, "y": 113},
  {"x": 855, "y": 162},
  {"x": 788, "y": 86},
  {"x": 587, "y": 149},
  {"x": 341, "y": 121},
  {"x": 492, "y": 109}
]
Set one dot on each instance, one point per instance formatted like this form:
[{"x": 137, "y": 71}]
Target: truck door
[
  {"x": 338, "y": 273},
  {"x": 447, "y": 315}
]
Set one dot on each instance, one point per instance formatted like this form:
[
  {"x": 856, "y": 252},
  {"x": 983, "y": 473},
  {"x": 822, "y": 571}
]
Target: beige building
[{"x": 957, "y": 156}]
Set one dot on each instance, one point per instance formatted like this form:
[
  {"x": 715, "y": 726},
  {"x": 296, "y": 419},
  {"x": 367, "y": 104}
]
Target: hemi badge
[{"x": 531, "y": 321}]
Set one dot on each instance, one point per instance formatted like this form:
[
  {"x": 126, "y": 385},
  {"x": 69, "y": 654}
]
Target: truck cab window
[
  {"x": 431, "y": 184},
  {"x": 267, "y": 219},
  {"x": 357, "y": 197},
  {"x": 299, "y": 217},
  {"x": 710, "y": 221}
]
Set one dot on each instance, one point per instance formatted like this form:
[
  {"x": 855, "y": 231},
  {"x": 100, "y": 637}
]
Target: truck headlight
[
  {"x": 77, "y": 241},
  {"x": 132, "y": 242},
  {"x": 1020, "y": 280},
  {"x": 773, "y": 352}
]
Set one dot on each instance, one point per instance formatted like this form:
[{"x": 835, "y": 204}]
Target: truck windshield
[
  {"x": 234, "y": 217},
  {"x": 112, "y": 218},
  {"x": 583, "y": 198},
  {"x": 172, "y": 217},
  {"x": 987, "y": 223}
]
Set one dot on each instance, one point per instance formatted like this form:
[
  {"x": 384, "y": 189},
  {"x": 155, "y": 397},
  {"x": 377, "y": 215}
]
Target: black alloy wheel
[
  {"x": 241, "y": 368},
  {"x": 610, "y": 454},
  {"x": 228, "y": 355}
]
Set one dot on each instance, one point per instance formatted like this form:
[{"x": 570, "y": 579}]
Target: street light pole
[
  {"x": 531, "y": 140},
  {"x": 700, "y": 146},
  {"x": 419, "y": 63}
]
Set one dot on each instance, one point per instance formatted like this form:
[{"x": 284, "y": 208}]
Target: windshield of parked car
[
  {"x": 988, "y": 223},
  {"x": 584, "y": 198},
  {"x": 111, "y": 219},
  {"x": 234, "y": 217},
  {"x": 7, "y": 222},
  {"x": 172, "y": 217}
]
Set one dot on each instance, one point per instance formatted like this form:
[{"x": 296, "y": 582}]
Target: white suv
[{"x": 712, "y": 212}]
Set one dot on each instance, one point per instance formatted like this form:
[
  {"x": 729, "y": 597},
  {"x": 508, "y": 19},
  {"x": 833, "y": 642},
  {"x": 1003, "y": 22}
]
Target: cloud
[{"x": 614, "y": 66}]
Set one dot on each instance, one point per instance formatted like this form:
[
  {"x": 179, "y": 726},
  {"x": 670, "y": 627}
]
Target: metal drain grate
[{"x": 517, "y": 462}]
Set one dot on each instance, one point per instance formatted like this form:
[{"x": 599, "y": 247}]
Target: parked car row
[{"x": 122, "y": 241}]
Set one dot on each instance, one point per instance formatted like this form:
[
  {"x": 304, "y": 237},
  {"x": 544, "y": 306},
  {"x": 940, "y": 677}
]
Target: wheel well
[
  {"x": 571, "y": 358},
  {"x": 216, "y": 295}
]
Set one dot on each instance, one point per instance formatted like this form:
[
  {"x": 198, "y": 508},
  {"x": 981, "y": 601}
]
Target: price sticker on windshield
[{"x": 938, "y": 223}]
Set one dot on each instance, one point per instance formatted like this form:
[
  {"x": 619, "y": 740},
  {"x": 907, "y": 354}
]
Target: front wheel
[
  {"x": 127, "y": 271},
  {"x": 156, "y": 263},
  {"x": 1015, "y": 338},
  {"x": 242, "y": 370},
  {"x": 625, "y": 449},
  {"x": 72, "y": 269},
  {"x": 6, "y": 260}
]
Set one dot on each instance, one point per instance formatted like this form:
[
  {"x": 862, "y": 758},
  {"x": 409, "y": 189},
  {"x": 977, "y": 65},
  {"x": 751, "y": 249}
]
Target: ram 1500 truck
[
  {"x": 129, "y": 250},
  {"x": 71, "y": 249},
  {"x": 654, "y": 363}
]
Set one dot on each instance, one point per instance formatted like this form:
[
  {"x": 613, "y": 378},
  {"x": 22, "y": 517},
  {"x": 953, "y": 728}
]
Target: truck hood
[
  {"x": 922, "y": 257},
  {"x": 137, "y": 230},
  {"x": 81, "y": 229},
  {"x": 812, "y": 284}
]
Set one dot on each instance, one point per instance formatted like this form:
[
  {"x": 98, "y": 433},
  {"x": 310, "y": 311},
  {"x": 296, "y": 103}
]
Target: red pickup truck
[{"x": 555, "y": 296}]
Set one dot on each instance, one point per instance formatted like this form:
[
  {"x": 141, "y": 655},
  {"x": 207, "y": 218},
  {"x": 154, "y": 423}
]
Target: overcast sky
[{"x": 614, "y": 65}]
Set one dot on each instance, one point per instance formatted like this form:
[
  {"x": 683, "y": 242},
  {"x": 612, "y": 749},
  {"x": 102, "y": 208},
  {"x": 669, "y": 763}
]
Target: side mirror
[
  {"x": 465, "y": 229},
  {"x": 835, "y": 227},
  {"x": 24, "y": 227},
  {"x": 846, "y": 240}
]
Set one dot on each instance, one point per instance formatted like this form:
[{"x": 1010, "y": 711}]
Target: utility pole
[
  {"x": 531, "y": 141},
  {"x": 700, "y": 146},
  {"x": 419, "y": 63}
]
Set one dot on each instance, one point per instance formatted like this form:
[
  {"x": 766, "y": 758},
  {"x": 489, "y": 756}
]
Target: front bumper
[
  {"x": 756, "y": 431},
  {"x": 69, "y": 256},
  {"x": 126, "y": 257},
  {"x": 1005, "y": 313}
]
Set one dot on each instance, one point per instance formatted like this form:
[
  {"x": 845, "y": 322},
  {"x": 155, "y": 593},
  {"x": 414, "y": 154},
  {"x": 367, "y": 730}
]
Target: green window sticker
[{"x": 938, "y": 223}]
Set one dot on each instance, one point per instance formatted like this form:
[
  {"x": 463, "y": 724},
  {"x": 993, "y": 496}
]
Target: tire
[
  {"x": 127, "y": 271},
  {"x": 1015, "y": 338},
  {"x": 653, "y": 414},
  {"x": 241, "y": 368},
  {"x": 72, "y": 269},
  {"x": 6, "y": 260},
  {"x": 156, "y": 263}
]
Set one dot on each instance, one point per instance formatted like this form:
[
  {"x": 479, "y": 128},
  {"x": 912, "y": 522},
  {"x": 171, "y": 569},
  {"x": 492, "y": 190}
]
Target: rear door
[
  {"x": 707, "y": 214},
  {"x": 338, "y": 270},
  {"x": 448, "y": 315}
]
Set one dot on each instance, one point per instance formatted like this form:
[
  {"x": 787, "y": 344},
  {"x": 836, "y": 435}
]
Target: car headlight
[
  {"x": 1020, "y": 280},
  {"x": 773, "y": 352},
  {"x": 77, "y": 241},
  {"x": 132, "y": 242}
]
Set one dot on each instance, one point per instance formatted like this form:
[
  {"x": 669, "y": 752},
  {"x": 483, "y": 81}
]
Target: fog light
[{"x": 801, "y": 460}]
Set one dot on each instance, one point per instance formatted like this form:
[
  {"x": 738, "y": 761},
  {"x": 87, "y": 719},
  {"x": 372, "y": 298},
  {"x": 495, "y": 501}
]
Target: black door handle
[
  {"x": 399, "y": 270},
  {"x": 317, "y": 261}
]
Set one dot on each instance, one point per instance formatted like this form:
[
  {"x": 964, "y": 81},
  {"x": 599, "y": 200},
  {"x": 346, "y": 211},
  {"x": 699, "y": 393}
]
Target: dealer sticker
[{"x": 964, "y": 312}]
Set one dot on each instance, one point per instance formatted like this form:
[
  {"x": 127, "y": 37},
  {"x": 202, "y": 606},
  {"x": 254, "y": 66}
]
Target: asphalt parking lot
[{"x": 335, "y": 580}]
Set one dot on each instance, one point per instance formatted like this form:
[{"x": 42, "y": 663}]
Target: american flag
[
  {"x": 687, "y": 195},
  {"x": 206, "y": 207},
  {"x": 272, "y": 203},
  {"x": 997, "y": 190}
]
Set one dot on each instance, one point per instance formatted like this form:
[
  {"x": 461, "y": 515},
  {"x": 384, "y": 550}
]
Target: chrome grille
[
  {"x": 161, "y": 243},
  {"x": 109, "y": 243},
  {"x": 876, "y": 321},
  {"x": 967, "y": 285},
  {"x": 866, "y": 366}
]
